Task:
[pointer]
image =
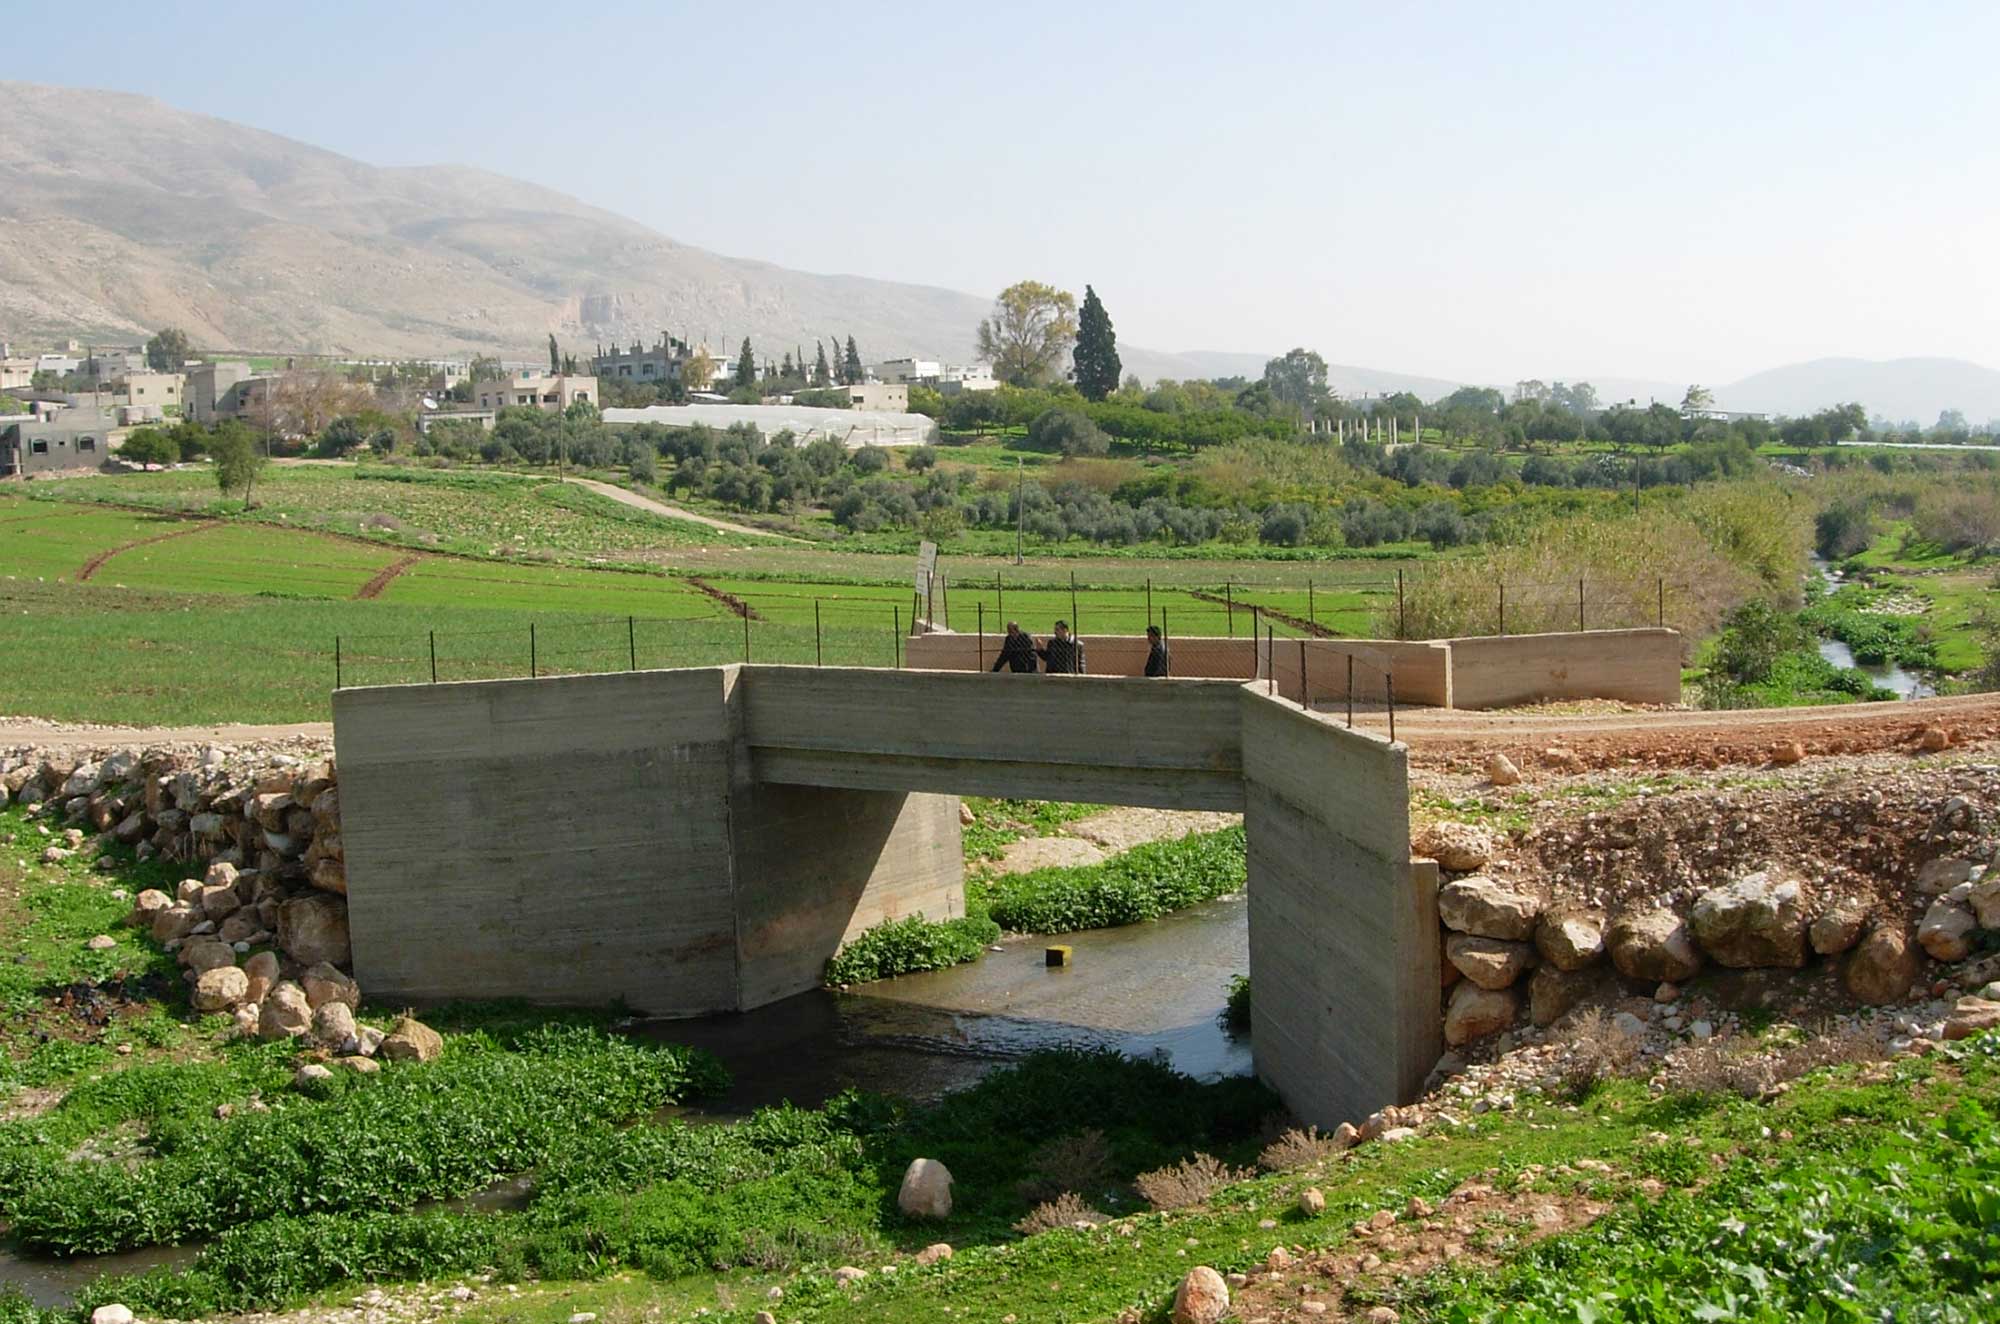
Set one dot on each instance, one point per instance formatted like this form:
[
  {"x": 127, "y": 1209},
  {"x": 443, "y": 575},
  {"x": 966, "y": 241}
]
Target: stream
[
  {"x": 1888, "y": 675},
  {"x": 1147, "y": 990}
]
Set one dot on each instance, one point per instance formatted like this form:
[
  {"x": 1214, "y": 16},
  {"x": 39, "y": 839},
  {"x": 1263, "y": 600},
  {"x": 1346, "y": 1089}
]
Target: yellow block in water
[{"x": 1054, "y": 957}]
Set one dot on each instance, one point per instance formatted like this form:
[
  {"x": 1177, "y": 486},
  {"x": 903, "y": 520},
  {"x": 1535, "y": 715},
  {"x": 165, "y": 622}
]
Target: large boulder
[
  {"x": 219, "y": 903},
  {"x": 411, "y": 1041},
  {"x": 222, "y": 988},
  {"x": 176, "y": 921},
  {"x": 1970, "y": 1016},
  {"x": 1553, "y": 993},
  {"x": 1984, "y": 898},
  {"x": 148, "y": 904},
  {"x": 1500, "y": 770},
  {"x": 262, "y": 971},
  {"x": 1653, "y": 946},
  {"x": 1570, "y": 939},
  {"x": 1753, "y": 922},
  {"x": 284, "y": 1013},
  {"x": 1837, "y": 928},
  {"x": 1946, "y": 930},
  {"x": 1202, "y": 1298},
  {"x": 1457, "y": 847},
  {"x": 333, "y": 1027},
  {"x": 1488, "y": 908},
  {"x": 1882, "y": 967},
  {"x": 1488, "y": 962},
  {"x": 325, "y": 983},
  {"x": 312, "y": 929},
  {"x": 926, "y": 1190},
  {"x": 1475, "y": 1012},
  {"x": 205, "y": 954}
]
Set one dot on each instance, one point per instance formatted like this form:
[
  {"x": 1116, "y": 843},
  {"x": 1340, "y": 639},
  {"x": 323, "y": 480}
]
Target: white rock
[{"x": 926, "y": 1190}]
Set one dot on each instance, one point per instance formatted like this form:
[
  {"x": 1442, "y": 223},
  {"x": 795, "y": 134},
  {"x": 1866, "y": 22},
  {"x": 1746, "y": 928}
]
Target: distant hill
[
  {"x": 1897, "y": 389},
  {"x": 158, "y": 217}
]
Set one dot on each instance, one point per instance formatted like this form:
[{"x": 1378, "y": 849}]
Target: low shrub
[
  {"x": 1297, "y": 1149},
  {"x": 1079, "y": 1162},
  {"x": 419, "y": 1132},
  {"x": 1236, "y": 1011},
  {"x": 1143, "y": 883},
  {"x": 909, "y": 945},
  {"x": 1065, "y": 1211},
  {"x": 1598, "y": 1050},
  {"x": 1187, "y": 1183}
]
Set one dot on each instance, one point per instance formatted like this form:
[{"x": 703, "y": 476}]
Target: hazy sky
[{"x": 1686, "y": 191}]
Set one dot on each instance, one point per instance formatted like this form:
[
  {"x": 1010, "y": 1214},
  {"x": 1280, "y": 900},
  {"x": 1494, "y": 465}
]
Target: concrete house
[
  {"x": 661, "y": 363},
  {"x": 68, "y": 441},
  {"x": 549, "y": 392},
  {"x": 225, "y": 389}
]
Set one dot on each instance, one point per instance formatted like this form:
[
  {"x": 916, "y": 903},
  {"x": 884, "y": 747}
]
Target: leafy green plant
[
  {"x": 909, "y": 945},
  {"x": 1143, "y": 883}
]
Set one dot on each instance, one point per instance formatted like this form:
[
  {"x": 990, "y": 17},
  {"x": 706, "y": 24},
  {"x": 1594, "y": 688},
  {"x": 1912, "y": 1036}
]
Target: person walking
[
  {"x": 1156, "y": 653},
  {"x": 1064, "y": 652},
  {"x": 1017, "y": 650}
]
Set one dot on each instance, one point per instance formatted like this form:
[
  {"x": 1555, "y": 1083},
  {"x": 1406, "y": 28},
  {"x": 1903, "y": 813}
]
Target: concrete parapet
[
  {"x": 1635, "y": 666},
  {"x": 1343, "y": 947}
]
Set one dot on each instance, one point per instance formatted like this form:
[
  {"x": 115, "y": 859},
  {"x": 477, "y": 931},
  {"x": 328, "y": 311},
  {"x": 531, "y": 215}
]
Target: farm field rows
[{"x": 192, "y": 619}]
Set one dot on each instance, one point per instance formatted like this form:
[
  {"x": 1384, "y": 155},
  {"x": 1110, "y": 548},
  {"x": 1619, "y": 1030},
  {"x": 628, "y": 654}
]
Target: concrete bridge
[{"x": 703, "y": 840}]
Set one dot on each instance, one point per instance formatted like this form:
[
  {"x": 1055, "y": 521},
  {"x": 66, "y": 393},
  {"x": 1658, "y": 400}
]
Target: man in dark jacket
[
  {"x": 1017, "y": 650},
  {"x": 1064, "y": 652},
  {"x": 1156, "y": 653}
]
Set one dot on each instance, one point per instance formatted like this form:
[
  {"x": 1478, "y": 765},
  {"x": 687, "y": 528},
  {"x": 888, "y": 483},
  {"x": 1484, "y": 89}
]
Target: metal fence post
[
  {"x": 1389, "y": 683},
  {"x": 944, "y": 590},
  {"x": 336, "y": 661},
  {"x": 1229, "y": 605},
  {"x": 1402, "y": 618},
  {"x": 819, "y": 651},
  {"x": 1579, "y": 605},
  {"x": 1075, "y": 624},
  {"x": 746, "y": 636},
  {"x": 981, "y": 614},
  {"x": 999, "y": 596},
  {"x": 1149, "y": 599},
  {"x": 1350, "y": 691},
  {"x": 896, "y": 646},
  {"x": 1305, "y": 690},
  {"x": 1312, "y": 606},
  {"x": 534, "y": 662},
  {"x": 434, "y": 657},
  {"x": 1661, "y": 584},
  {"x": 1503, "y": 606},
  {"x": 1271, "y": 658},
  {"x": 632, "y": 640}
]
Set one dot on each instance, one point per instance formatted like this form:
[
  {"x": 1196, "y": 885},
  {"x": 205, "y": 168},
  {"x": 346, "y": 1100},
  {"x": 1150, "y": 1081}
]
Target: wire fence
[{"x": 1342, "y": 645}]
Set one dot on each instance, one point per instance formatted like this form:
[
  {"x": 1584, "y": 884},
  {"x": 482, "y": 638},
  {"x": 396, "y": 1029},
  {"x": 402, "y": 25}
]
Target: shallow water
[
  {"x": 1147, "y": 990},
  {"x": 1890, "y": 676}
]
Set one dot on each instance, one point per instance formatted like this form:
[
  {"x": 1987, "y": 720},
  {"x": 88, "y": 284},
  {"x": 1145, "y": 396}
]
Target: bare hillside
[{"x": 156, "y": 217}]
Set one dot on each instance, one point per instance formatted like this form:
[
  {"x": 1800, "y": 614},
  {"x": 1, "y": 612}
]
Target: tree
[
  {"x": 150, "y": 446},
  {"x": 1069, "y": 432},
  {"x": 785, "y": 369},
  {"x": 555, "y": 355},
  {"x": 853, "y": 364},
  {"x": 237, "y": 459},
  {"x": 746, "y": 366},
  {"x": 700, "y": 370},
  {"x": 1698, "y": 400},
  {"x": 1095, "y": 364},
  {"x": 1032, "y": 326},
  {"x": 1299, "y": 380},
  {"x": 822, "y": 375},
  {"x": 168, "y": 350},
  {"x": 303, "y": 402}
]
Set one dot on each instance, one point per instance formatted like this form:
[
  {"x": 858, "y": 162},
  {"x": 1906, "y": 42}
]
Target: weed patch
[{"x": 1143, "y": 883}]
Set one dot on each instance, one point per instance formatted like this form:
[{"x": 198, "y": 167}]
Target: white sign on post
[{"x": 926, "y": 568}]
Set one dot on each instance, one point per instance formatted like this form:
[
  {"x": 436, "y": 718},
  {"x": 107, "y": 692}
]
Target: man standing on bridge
[
  {"x": 1156, "y": 654},
  {"x": 1064, "y": 652},
  {"x": 1017, "y": 650}
]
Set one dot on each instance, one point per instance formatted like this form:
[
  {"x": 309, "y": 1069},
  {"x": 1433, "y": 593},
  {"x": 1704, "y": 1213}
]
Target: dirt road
[
  {"x": 1437, "y": 738},
  {"x": 1689, "y": 739},
  {"x": 637, "y": 502}
]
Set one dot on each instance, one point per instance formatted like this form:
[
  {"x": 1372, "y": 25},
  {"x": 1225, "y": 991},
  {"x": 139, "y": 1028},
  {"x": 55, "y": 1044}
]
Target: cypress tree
[
  {"x": 555, "y": 356},
  {"x": 853, "y": 365},
  {"x": 746, "y": 365},
  {"x": 822, "y": 375},
  {"x": 1095, "y": 358},
  {"x": 785, "y": 370}
]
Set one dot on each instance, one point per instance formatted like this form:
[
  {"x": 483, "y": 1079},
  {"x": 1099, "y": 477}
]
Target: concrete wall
[
  {"x": 1096, "y": 739},
  {"x": 592, "y": 839},
  {"x": 1343, "y": 942},
  {"x": 1637, "y": 666}
]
